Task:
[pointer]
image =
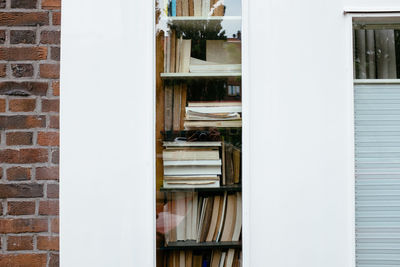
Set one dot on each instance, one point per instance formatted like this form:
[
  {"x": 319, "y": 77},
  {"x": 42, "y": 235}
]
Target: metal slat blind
[{"x": 377, "y": 167}]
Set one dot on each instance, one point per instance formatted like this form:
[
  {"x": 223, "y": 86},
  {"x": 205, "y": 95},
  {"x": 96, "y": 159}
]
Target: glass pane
[
  {"x": 376, "y": 51},
  {"x": 198, "y": 133}
]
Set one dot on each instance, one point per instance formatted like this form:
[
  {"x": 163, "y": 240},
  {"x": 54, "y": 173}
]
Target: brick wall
[{"x": 29, "y": 123}]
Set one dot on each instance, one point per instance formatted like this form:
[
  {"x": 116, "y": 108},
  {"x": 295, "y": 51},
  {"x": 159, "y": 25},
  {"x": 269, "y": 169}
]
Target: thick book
[
  {"x": 168, "y": 116},
  {"x": 190, "y": 154},
  {"x": 229, "y": 258},
  {"x": 214, "y": 219},
  {"x": 191, "y": 184},
  {"x": 192, "y": 178},
  {"x": 201, "y": 66},
  {"x": 197, "y": 116},
  {"x": 224, "y": 52},
  {"x": 218, "y": 124},
  {"x": 219, "y": 218},
  {"x": 191, "y": 8},
  {"x": 190, "y": 170},
  {"x": 197, "y": 8},
  {"x": 207, "y": 219},
  {"x": 212, "y": 110},
  {"x": 230, "y": 219},
  {"x": 192, "y": 163},
  {"x": 178, "y": 8},
  {"x": 181, "y": 214}
]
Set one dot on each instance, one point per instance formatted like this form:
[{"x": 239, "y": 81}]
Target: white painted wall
[{"x": 300, "y": 194}]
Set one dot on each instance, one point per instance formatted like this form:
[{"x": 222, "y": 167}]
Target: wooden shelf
[
  {"x": 224, "y": 188},
  {"x": 181, "y": 245},
  {"x": 205, "y": 75}
]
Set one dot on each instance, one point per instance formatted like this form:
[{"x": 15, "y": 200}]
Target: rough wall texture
[{"x": 29, "y": 132}]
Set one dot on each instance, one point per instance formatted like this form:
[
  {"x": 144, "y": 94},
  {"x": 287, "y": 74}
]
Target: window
[
  {"x": 377, "y": 141},
  {"x": 198, "y": 133}
]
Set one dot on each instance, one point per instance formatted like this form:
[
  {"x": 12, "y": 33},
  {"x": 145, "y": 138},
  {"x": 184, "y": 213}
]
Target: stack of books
[
  {"x": 190, "y": 216},
  {"x": 191, "y": 164},
  {"x": 213, "y": 114},
  {"x": 197, "y": 8},
  {"x": 217, "y": 258},
  {"x": 177, "y": 53}
]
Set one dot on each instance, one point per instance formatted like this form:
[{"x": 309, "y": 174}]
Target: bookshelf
[{"x": 198, "y": 184}]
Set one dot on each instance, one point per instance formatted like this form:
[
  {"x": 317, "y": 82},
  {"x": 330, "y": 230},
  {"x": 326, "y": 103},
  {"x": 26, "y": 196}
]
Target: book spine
[{"x": 173, "y": 8}]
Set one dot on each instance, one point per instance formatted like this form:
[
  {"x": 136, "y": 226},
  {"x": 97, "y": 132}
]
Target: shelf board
[
  {"x": 224, "y": 188},
  {"x": 180, "y": 245},
  {"x": 204, "y": 75}
]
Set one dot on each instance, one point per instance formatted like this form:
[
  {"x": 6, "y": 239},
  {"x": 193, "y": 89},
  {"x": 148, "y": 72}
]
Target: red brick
[
  {"x": 18, "y": 174},
  {"x": 2, "y": 105},
  {"x": 50, "y": 71},
  {"x": 55, "y": 122},
  {"x": 21, "y": 208},
  {"x": 23, "y": 156},
  {"x": 55, "y": 225},
  {"x": 47, "y": 173},
  {"x": 22, "y": 37},
  {"x": 50, "y": 105},
  {"x": 23, "y": 260},
  {"x": 21, "y": 190},
  {"x": 22, "y": 70},
  {"x": 50, "y": 37},
  {"x": 52, "y": 191},
  {"x": 23, "y": 88},
  {"x": 19, "y": 243},
  {"x": 22, "y": 105},
  {"x": 23, "y": 4},
  {"x": 23, "y": 53},
  {"x": 22, "y": 122},
  {"x": 56, "y": 18},
  {"x": 23, "y": 226},
  {"x": 56, "y": 88},
  {"x": 3, "y": 70},
  {"x": 48, "y": 207},
  {"x": 19, "y": 138},
  {"x": 51, "y": 4},
  {"x": 54, "y": 260},
  {"x": 48, "y": 243},
  {"x": 24, "y": 18},
  {"x": 48, "y": 139}
]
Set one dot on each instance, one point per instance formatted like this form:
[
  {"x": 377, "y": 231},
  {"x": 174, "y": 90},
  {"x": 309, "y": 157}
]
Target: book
[
  {"x": 183, "y": 105},
  {"x": 229, "y": 258},
  {"x": 222, "y": 220},
  {"x": 207, "y": 219},
  {"x": 168, "y": 117},
  {"x": 191, "y": 7},
  {"x": 218, "y": 124},
  {"x": 197, "y": 261},
  {"x": 188, "y": 154},
  {"x": 224, "y": 52},
  {"x": 203, "y": 206},
  {"x": 215, "y": 104},
  {"x": 195, "y": 204},
  {"x": 184, "y": 58},
  {"x": 185, "y": 7},
  {"x": 177, "y": 107},
  {"x": 216, "y": 258},
  {"x": 172, "y": 53},
  {"x": 217, "y": 110},
  {"x": 222, "y": 261},
  {"x": 189, "y": 170},
  {"x": 173, "y": 220},
  {"x": 205, "y": 8},
  {"x": 173, "y": 8},
  {"x": 197, "y": 8},
  {"x": 198, "y": 116},
  {"x": 236, "y": 154},
  {"x": 200, "y": 66},
  {"x": 214, "y": 219},
  {"x": 223, "y": 164},
  {"x": 189, "y": 258},
  {"x": 192, "y": 144},
  {"x": 230, "y": 219},
  {"x": 191, "y": 184},
  {"x": 181, "y": 213},
  {"x": 229, "y": 171},
  {"x": 222, "y": 202},
  {"x": 238, "y": 224},
  {"x": 182, "y": 258},
  {"x": 179, "y": 8},
  {"x": 178, "y": 44},
  {"x": 192, "y": 163},
  {"x": 189, "y": 215}
]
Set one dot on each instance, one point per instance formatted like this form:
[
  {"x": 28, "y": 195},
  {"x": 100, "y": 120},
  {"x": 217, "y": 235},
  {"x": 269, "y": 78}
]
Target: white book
[
  {"x": 201, "y": 221},
  {"x": 214, "y": 162},
  {"x": 229, "y": 258},
  {"x": 190, "y": 155},
  {"x": 181, "y": 212},
  {"x": 222, "y": 109},
  {"x": 195, "y": 211},
  {"x": 238, "y": 223},
  {"x": 224, "y": 68},
  {"x": 190, "y": 170},
  {"x": 185, "y": 55},
  {"x": 222, "y": 261},
  {"x": 215, "y": 104},
  {"x": 210, "y": 117},
  {"x": 189, "y": 215},
  {"x": 182, "y": 258},
  {"x": 191, "y": 184},
  {"x": 192, "y": 178},
  {"x": 192, "y": 144},
  {"x": 219, "y": 124},
  {"x": 205, "y": 8}
]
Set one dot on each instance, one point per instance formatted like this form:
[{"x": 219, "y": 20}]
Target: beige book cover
[
  {"x": 223, "y": 52},
  {"x": 214, "y": 219},
  {"x": 230, "y": 219}
]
